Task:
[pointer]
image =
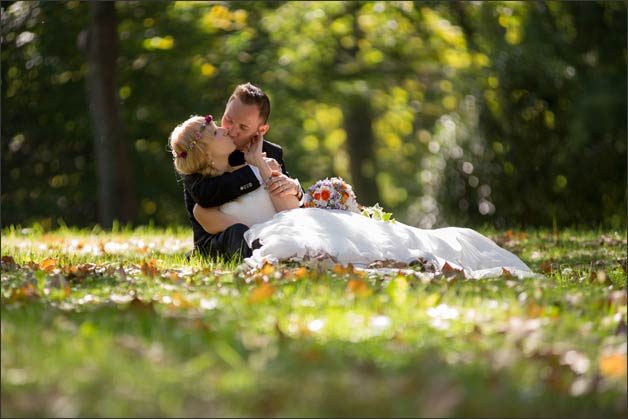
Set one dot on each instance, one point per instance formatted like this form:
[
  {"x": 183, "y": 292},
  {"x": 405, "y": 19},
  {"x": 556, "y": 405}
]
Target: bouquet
[{"x": 331, "y": 193}]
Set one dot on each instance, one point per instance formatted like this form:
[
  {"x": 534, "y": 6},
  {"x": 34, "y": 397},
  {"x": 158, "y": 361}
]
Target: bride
[{"x": 331, "y": 226}]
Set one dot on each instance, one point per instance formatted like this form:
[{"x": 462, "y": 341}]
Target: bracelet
[
  {"x": 267, "y": 180},
  {"x": 299, "y": 189}
]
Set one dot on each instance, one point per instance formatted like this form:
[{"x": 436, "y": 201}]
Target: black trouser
[{"x": 226, "y": 244}]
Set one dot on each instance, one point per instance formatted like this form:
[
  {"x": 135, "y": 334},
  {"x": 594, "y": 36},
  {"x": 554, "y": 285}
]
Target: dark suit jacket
[{"x": 214, "y": 191}]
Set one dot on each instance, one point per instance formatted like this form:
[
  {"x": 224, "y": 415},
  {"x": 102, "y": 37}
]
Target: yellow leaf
[
  {"x": 48, "y": 265},
  {"x": 359, "y": 287},
  {"x": 267, "y": 269},
  {"x": 300, "y": 272},
  {"x": 535, "y": 310},
  {"x": 339, "y": 269},
  {"x": 613, "y": 366},
  {"x": 179, "y": 300},
  {"x": 261, "y": 293},
  {"x": 173, "y": 276}
]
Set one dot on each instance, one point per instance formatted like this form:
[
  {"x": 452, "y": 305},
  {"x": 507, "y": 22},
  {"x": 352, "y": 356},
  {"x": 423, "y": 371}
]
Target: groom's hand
[{"x": 281, "y": 185}]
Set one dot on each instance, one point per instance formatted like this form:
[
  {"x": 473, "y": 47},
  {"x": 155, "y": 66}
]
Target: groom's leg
[
  {"x": 234, "y": 240},
  {"x": 227, "y": 243}
]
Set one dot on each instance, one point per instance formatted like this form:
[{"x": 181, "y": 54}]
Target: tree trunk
[
  {"x": 358, "y": 122},
  {"x": 114, "y": 194}
]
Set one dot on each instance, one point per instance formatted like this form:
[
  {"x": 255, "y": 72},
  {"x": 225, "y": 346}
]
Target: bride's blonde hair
[{"x": 190, "y": 154}]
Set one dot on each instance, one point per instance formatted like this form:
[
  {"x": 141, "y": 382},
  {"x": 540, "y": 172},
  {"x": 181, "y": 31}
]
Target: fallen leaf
[
  {"x": 25, "y": 292},
  {"x": 359, "y": 287},
  {"x": 149, "y": 268},
  {"x": 179, "y": 300},
  {"x": 33, "y": 266},
  {"x": 613, "y": 365},
  {"x": 339, "y": 269},
  {"x": 139, "y": 305},
  {"x": 173, "y": 276},
  {"x": 452, "y": 273},
  {"x": 81, "y": 271},
  {"x": 261, "y": 293},
  {"x": 598, "y": 276},
  {"x": 535, "y": 310},
  {"x": 48, "y": 265},
  {"x": 300, "y": 272},
  {"x": 8, "y": 263},
  {"x": 547, "y": 267},
  {"x": 267, "y": 269}
]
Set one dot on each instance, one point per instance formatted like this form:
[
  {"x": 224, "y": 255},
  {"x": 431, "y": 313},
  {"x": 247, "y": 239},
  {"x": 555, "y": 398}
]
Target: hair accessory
[
  {"x": 184, "y": 153},
  {"x": 207, "y": 119}
]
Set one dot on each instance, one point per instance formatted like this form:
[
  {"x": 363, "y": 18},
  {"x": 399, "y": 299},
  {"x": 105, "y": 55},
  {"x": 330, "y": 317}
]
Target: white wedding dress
[{"x": 347, "y": 237}]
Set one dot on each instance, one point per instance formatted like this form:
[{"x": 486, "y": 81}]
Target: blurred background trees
[{"x": 511, "y": 114}]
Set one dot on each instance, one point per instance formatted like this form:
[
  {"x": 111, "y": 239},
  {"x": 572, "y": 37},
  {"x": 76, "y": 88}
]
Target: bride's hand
[
  {"x": 253, "y": 152},
  {"x": 272, "y": 163}
]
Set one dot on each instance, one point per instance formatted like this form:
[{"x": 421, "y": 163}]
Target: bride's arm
[
  {"x": 212, "y": 219},
  {"x": 281, "y": 203}
]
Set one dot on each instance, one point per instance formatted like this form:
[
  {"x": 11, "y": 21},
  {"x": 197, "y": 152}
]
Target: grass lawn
[{"x": 119, "y": 324}]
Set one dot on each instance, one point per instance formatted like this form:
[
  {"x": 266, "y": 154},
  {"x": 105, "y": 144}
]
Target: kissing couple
[{"x": 241, "y": 201}]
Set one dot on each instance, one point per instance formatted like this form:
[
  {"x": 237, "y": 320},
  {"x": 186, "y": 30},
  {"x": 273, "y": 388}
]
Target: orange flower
[{"x": 325, "y": 194}]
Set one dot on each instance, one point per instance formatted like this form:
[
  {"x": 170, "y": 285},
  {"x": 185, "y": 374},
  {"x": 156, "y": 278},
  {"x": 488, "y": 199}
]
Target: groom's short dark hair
[{"x": 253, "y": 95}]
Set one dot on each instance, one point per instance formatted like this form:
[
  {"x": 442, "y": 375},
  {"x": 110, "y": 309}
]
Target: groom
[{"x": 245, "y": 118}]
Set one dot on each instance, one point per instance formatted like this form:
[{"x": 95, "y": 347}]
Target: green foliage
[
  {"x": 376, "y": 212},
  {"x": 509, "y": 113},
  {"x": 120, "y": 324}
]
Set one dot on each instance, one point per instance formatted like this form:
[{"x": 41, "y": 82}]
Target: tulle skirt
[{"x": 347, "y": 237}]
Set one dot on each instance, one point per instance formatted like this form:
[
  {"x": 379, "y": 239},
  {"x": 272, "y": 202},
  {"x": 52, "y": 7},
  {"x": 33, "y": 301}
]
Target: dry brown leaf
[
  {"x": 149, "y": 267},
  {"x": 141, "y": 306},
  {"x": 452, "y": 273},
  {"x": 8, "y": 263},
  {"x": 81, "y": 270},
  {"x": 25, "y": 292},
  {"x": 547, "y": 267}
]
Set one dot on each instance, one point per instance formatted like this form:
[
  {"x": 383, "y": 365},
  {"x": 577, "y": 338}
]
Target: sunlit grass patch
[{"x": 130, "y": 327}]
